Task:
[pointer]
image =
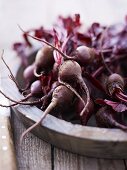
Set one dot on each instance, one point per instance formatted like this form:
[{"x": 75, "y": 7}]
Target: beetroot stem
[
  {"x": 100, "y": 69},
  {"x": 106, "y": 50},
  {"x": 120, "y": 97},
  {"x": 97, "y": 72},
  {"x": 102, "y": 55},
  {"x": 46, "y": 42},
  {"x": 103, "y": 60},
  {"x": 66, "y": 41},
  {"x": 11, "y": 74},
  {"x": 20, "y": 90}
]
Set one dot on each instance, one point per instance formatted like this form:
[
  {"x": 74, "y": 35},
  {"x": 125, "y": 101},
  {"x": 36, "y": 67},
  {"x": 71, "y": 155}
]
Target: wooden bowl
[{"x": 84, "y": 140}]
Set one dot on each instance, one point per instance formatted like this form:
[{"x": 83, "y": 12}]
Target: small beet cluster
[{"x": 83, "y": 73}]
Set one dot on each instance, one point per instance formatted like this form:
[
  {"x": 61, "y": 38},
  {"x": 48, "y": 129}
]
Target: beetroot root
[
  {"x": 89, "y": 111},
  {"x": 70, "y": 72},
  {"x": 85, "y": 55},
  {"x": 44, "y": 61},
  {"x": 62, "y": 98},
  {"x": 115, "y": 87},
  {"x": 106, "y": 117}
]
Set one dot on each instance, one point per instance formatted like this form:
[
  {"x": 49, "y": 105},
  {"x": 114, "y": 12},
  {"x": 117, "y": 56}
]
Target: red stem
[
  {"x": 104, "y": 63},
  {"x": 106, "y": 50},
  {"x": 120, "y": 97},
  {"x": 26, "y": 39},
  {"x": 100, "y": 69},
  {"x": 97, "y": 72},
  {"x": 46, "y": 42},
  {"x": 94, "y": 81},
  {"x": 65, "y": 42}
]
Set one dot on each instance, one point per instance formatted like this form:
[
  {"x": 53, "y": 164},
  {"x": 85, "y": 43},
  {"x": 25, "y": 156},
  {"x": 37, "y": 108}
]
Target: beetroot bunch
[{"x": 76, "y": 73}]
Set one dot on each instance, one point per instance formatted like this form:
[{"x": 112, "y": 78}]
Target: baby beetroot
[
  {"x": 44, "y": 61},
  {"x": 115, "y": 82},
  {"x": 84, "y": 55},
  {"x": 70, "y": 72},
  {"x": 29, "y": 76},
  {"x": 28, "y": 73},
  {"x": 115, "y": 87},
  {"x": 106, "y": 117},
  {"x": 62, "y": 98},
  {"x": 36, "y": 88}
]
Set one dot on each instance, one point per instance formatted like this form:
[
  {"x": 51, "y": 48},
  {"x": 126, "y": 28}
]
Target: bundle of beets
[{"x": 76, "y": 73}]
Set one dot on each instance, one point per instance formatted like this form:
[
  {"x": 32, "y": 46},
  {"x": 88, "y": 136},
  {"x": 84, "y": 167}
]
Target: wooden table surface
[{"x": 36, "y": 154}]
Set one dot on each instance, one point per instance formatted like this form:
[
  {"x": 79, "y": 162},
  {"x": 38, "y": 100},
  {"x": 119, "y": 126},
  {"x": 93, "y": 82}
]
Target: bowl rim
[{"x": 83, "y": 132}]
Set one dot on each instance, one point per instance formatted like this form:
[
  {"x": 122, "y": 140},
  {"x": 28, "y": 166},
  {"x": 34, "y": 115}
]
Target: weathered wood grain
[
  {"x": 33, "y": 154},
  {"x": 67, "y": 161},
  {"x": 111, "y": 164}
]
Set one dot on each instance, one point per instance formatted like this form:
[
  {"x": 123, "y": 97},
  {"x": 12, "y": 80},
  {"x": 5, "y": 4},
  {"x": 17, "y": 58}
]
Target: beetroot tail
[
  {"x": 49, "y": 108},
  {"x": 11, "y": 74},
  {"x": 85, "y": 88},
  {"x": 22, "y": 100}
]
